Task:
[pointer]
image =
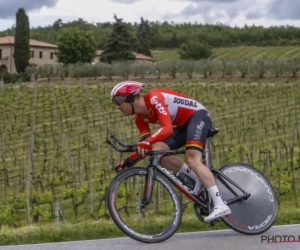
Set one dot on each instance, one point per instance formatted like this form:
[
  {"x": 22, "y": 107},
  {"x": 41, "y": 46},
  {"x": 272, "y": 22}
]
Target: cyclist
[{"x": 184, "y": 122}]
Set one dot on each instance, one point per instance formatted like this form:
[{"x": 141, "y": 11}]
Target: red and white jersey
[{"x": 168, "y": 108}]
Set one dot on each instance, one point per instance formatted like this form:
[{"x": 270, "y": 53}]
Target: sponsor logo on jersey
[
  {"x": 157, "y": 132},
  {"x": 158, "y": 105},
  {"x": 186, "y": 102}
]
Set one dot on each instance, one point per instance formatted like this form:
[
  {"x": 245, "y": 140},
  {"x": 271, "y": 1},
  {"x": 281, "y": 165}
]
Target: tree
[
  {"x": 194, "y": 50},
  {"x": 118, "y": 46},
  {"x": 163, "y": 35},
  {"x": 21, "y": 45},
  {"x": 174, "y": 43},
  {"x": 57, "y": 24},
  {"x": 143, "y": 39},
  {"x": 75, "y": 46}
]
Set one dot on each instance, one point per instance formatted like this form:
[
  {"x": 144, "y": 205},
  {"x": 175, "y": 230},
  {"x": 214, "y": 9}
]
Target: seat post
[{"x": 206, "y": 155}]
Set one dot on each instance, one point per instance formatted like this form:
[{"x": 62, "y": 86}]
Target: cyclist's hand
[
  {"x": 119, "y": 167},
  {"x": 122, "y": 164},
  {"x": 143, "y": 146}
]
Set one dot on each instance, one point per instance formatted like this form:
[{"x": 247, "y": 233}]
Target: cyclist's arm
[
  {"x": 143, "y": 127},
  {"x": 145, "y": 132},
  {"x": 157, "y": 103}
]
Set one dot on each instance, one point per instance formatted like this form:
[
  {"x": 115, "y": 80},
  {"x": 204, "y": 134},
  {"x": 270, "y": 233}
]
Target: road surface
[{"x": 212, "y": 240}]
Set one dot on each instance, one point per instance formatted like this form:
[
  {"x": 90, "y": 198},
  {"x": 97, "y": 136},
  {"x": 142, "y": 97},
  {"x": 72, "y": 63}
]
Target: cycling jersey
[{"x": 167, "y": 108}]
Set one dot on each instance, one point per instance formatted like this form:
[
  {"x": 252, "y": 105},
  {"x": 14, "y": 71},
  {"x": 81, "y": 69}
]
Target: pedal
[{"x": 214, "y": 222}]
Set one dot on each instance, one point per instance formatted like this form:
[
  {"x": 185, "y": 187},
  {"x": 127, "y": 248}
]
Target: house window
[
  {"x": 41, "y": 54},
  {"x": 32, "y": 53},
  {"x": 51, "y": 55},
  {"x": 0, "y": 53}
]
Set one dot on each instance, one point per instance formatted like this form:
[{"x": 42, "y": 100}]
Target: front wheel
[
  {"x": 258, "y": 213},
  {"x": 144, "y": 225}
]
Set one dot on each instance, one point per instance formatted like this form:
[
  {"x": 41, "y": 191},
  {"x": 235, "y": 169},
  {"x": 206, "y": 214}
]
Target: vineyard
[
  {"x": 53, "y": 151},
  {"x": 237, "y": 52}
]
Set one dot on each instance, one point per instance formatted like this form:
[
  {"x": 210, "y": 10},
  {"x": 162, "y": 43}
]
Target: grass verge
[{"x": 103, "y": 229}]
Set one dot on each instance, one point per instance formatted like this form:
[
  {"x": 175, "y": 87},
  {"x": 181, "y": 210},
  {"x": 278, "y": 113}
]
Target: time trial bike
[{"x": 243, "y": 188}]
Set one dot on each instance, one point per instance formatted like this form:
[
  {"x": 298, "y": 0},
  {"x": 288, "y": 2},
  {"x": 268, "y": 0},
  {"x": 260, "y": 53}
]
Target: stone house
[{"x": 41, "y": 53}]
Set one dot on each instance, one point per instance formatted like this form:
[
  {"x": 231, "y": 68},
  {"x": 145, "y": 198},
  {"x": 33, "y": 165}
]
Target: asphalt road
[{"x": 212, "y": 240}]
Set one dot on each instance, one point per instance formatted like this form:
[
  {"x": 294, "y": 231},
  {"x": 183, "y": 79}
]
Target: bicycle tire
[
  {"x": 259, "y": 212},
  {"x": 110, "y": 199}
]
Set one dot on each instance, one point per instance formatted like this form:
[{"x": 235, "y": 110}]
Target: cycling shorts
[{"x": 192, "y": 134}]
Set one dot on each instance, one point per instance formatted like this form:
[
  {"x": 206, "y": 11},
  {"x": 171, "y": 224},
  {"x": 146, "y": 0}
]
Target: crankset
[
  {"x": 199, "y": 211},
  {"x": 202, "y": 212}
]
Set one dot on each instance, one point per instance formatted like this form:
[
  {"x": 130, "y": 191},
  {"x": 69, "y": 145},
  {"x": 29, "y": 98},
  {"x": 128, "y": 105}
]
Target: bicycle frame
[
  {"x": 219, "y": 175},
  {"x": 153, "y": 166}
]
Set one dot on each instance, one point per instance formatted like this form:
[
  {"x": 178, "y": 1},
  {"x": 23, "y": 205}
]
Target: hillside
[
  {"x": 237, "y": 52},
  {"x": 167, "y": 35}
]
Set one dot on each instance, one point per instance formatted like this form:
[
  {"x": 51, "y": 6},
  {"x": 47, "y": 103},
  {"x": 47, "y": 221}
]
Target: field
[
  {"x": 53, "y": 151},
  {"x": 237, "y": 53}
]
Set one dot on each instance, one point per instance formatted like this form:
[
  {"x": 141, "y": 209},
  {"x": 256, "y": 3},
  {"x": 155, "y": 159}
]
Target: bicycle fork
[{"x": 149, "y": 181}]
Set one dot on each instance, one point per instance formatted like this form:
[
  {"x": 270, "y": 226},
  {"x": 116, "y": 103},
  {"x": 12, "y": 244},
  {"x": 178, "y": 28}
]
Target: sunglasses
[{"x": 118, "y": 100}]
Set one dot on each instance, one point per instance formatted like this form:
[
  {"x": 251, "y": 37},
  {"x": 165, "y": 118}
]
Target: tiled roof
[
  {"x": 10, "y": 40},
  {"x": 137, "y": 56},
  {"x": 142, "y": 57}
]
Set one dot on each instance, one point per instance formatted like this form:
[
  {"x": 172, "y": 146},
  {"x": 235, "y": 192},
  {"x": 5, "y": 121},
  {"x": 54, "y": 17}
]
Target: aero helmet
[{"x": 125, "y": 92}]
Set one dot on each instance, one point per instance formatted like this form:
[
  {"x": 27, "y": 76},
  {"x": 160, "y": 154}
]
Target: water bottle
[{"x": 186, "y": 180}]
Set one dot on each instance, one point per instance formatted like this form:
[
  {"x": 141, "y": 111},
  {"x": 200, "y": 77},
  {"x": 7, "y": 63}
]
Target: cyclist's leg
[
  {"x": 197, "y": 130},
  {"x": 174, "y": 141},
  {"x": 172, "y": 163}
]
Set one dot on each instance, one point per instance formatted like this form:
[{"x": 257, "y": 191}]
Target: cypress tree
[
  {"x": 118, "y": 47},
  {"x": 174, "y": 43},
  {"x": 21, "y": 46},
  {"x": 143, "y": 39}
]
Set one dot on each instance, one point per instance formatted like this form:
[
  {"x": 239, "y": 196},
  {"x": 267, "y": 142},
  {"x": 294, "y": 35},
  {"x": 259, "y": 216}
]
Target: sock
[
  {"x": 215, "y": 195},
  {"x": 186, "y": 170}
]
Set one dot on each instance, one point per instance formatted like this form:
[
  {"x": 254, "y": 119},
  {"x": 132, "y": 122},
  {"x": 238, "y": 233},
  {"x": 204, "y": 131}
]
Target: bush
[
  {"x": 194, "y": 51},
  {"x": 7, "y": 77},
  {"x": 24, "y": 77},
  {"x": 13, "y": 78}
]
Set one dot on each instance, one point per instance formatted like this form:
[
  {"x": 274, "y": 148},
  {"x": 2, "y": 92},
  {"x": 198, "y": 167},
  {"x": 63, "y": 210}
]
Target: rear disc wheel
[{"x": 258, "y": 213}]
